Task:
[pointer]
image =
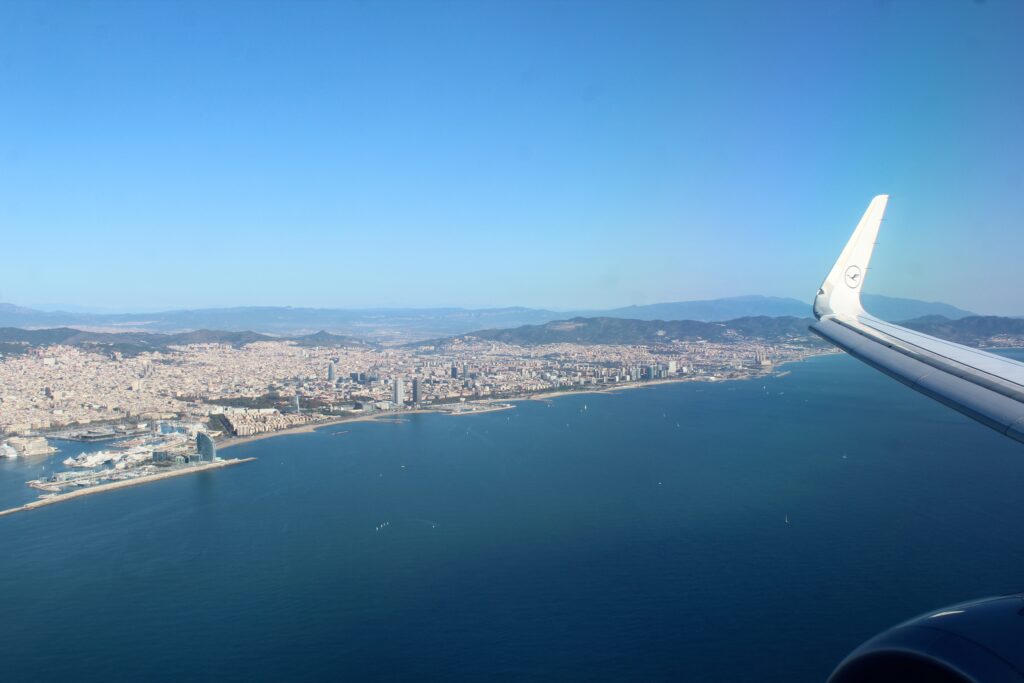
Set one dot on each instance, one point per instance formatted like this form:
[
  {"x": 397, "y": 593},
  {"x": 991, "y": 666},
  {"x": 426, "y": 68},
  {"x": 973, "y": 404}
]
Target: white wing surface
[{"x": 981, "y": 385}]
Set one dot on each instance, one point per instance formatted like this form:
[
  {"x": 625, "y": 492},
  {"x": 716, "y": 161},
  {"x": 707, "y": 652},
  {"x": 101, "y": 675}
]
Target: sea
[{"x": 731, "y": 531}]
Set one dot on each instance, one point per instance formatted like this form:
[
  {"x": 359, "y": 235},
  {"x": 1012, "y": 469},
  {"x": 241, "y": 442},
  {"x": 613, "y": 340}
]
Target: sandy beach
[
  {"x": 452, "y": 408},
  {"x": 445, "y": 409},
  {"x": 233, "y": 441},
  {"x": 610, "y": 389},
  {"x": 486, "y": 406},
  {"x": 626, "y": 386}
]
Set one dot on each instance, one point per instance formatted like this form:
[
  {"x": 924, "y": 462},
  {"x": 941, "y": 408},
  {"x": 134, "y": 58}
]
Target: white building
[{"x": 25, "y": 446}]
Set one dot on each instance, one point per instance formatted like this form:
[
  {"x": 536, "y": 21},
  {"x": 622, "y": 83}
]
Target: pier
[{"x": 101, "y": 488}]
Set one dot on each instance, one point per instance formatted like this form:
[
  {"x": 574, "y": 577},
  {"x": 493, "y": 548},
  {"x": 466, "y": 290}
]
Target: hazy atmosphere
[
  {"x": 559, "y": 155},
  {"x": 511, "y": 340}
]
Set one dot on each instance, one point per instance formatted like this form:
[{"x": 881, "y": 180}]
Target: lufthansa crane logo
[{"x": 853, "y": 277}]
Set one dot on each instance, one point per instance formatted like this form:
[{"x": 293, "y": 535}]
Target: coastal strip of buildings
[
  {"x": 162, "y": 411},
  {"x": 269, "y": 386}
]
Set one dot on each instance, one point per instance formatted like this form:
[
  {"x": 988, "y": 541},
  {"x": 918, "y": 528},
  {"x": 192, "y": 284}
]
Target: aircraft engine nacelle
[{"x": 974, "y": 642}]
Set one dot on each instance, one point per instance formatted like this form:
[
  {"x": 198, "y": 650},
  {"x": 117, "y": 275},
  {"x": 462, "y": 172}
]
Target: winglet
[{"x": 840, "y": 292}]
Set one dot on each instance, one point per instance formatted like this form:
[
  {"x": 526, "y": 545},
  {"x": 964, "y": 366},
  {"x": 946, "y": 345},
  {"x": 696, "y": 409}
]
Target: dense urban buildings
[{"x": 268, "y": 386}]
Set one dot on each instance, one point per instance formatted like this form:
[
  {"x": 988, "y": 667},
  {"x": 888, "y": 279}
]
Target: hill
[
  {"x": 14, "y": 340},
  {"x": 606, "y": 330},
  {"x": 975, "y": 330},
  {"x": 896, "y": 309},
  {"x": 424, "y": 323},
  {"x": 972, "y": 330}
]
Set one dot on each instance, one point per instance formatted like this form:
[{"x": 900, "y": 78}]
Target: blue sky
[{"x": 556, "y": 154}]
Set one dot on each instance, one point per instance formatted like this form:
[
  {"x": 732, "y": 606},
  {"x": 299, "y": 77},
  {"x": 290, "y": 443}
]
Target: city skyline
[
  {"x": 540, "y": 339},
  {"x": 556, "y": 155}
]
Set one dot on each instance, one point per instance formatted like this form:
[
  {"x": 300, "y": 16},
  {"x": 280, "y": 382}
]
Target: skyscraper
[
  {"x": 398, "y": 392},
  {"x": 206, "y": 447},
  {"x": 330, "y": 372},
  {"x": 415, "y": 389}
]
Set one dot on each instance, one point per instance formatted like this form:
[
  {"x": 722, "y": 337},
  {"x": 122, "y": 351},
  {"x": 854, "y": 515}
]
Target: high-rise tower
[{"x": 205, "y": 446}]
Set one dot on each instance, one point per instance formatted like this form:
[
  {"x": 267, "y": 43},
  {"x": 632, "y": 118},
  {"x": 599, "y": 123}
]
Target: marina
[
  {"x": 144, "y": 478},
  {"x": 147, "y": 457},
  {"x": 103, "y": 433}
]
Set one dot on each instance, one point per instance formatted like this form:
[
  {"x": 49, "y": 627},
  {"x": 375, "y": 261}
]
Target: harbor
[
  {"x": 143, "y": 458},
  {"x": 101, "y": 433},
  {"x": 124, "y": 483}
]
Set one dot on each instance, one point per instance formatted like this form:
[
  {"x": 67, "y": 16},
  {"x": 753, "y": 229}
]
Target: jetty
[{"x": 124, "y": 483}]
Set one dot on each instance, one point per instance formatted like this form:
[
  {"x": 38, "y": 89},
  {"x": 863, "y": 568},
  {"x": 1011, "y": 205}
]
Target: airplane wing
[{"x": 981, "y": 385}]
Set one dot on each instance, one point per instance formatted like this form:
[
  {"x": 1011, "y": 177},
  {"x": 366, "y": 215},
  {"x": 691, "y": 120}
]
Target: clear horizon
[{"x": 560, "y": 155}]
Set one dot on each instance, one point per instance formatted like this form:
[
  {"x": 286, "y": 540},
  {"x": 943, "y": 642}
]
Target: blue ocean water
[{"x": 638, "y": 535}]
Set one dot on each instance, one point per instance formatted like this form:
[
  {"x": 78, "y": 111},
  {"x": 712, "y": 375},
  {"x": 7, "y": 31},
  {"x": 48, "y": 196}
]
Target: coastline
[
  {"x": 489, "y": 405},
  {"x": 111, "y": 486},
  {"x": 614, "y": 389},
  {"x": 313, "y": 426},
  {"x": 629, "y": 386},
  {"x": 233, "y": 441},
  {"x": 502, "y": 405},
  {"x": 540, "y": 396},
  {"x": 379, "y": 417}
]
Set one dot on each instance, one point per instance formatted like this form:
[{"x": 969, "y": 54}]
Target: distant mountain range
[
  {"x": 976, "y": 330},
  {"x": 972, "y": 330},
  {"x": 404, "y": 324},
  {"x": 13, "y": 339},
  {"x": 713, "y": 310},
  {"x": 607, "y": 330},
  {"x": 603, "y": 330}
]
